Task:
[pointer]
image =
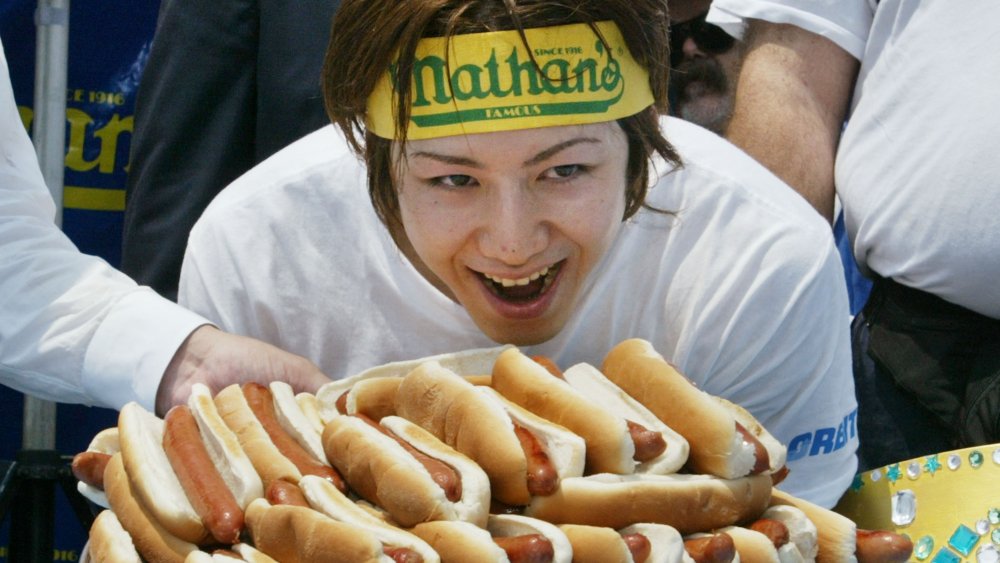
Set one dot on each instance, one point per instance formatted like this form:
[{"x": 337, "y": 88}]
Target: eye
[
  {"x": 454, "y": 181},
  {"x": 563, "y": 172}
]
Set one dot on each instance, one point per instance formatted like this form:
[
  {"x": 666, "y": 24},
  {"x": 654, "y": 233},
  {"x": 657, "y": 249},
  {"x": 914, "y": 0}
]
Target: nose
[
  {"x": 691, "y": 48},
  {"x": 514, "y": 226}
]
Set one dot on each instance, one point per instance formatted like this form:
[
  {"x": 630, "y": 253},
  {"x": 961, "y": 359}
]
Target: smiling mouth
[{"x": 522, "y": 289}]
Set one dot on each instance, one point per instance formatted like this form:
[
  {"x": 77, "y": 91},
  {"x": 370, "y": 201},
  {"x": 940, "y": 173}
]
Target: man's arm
[{"x": 791, "y": 99}]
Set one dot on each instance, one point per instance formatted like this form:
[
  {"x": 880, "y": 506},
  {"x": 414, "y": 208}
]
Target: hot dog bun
[
  {"x": 380, "y": 470},
  {"x": 293, "y": 534},
  {"x": 753, "y": 547},
  {"x": 152, "y": 479},
  {"x": 717, "y": 447},
  {"x": 325, "y": 498},
  {"x": 476, "y": 361},
  {"x": 594, "y": 385},
  {"x": 224, "y": 448},
  {"x": 294, "y": 421},
  {"x": 596, "y": 544},
  {"x": 480, "y": 424},
  {"x": 109, "y": 542},
  {"x": 153, "y": 542},
  {"x": 689, "y": 503},
  {"x": 609, "y": 448},
  {"x": 456, "y": 541}
]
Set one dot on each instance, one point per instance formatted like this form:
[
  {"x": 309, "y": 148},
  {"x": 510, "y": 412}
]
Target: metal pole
[
  {"x": 32, "y": 532},
  {"x": 49, "y": 123}
]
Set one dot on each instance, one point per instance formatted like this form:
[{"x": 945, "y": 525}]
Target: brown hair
[{"x": 369, "y": 35}]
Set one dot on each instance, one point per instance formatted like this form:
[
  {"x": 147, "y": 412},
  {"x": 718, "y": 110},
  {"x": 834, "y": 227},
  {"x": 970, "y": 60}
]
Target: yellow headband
[{"x": 494, "y": 85}]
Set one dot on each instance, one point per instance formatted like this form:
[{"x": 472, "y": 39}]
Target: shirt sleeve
[
  {"x": 845, "y": 22},
  {"x": 75, "y": 329}
]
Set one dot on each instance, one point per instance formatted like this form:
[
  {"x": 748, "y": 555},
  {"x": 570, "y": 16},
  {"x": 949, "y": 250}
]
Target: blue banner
[{"x": 109, "y": 41}]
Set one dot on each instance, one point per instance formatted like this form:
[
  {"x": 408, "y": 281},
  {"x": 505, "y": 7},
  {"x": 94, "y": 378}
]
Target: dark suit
[{"x": 227, "y": 83}]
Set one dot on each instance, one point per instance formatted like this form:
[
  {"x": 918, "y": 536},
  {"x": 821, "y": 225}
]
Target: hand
[{"x": 218, "y": 359}]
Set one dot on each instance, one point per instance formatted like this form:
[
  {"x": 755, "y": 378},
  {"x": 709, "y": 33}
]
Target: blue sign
[{"x": 109, "y": 41}]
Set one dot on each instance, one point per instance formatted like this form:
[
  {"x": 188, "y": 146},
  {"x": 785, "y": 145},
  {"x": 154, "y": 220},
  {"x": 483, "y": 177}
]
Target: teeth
[{"x": 507, "y": 282}]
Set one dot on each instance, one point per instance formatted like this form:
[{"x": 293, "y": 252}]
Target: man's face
[
  {"x": 510, "y": 224},
  {"x": 704, "y": 64}
]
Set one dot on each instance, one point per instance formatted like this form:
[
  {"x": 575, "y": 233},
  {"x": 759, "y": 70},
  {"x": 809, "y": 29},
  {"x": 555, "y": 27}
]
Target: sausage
[
  {"x": 717, "y": 548},
  {"x": 529, "y": 548},
  {"x": 760, "y": 452},
  {"x": 779, "y": 475},
  {"x": 402, "y": 555},
  {"x": 882, "y": 546},
  {"x": 443, "y": 474},
  {"x": 648, "y": 443},
  {"x": 638, "y": 546},
  {"x": 341, "y": 402},
  {"x": 542, "y": 476},
  {"x": 259, "y": 399},
  {"x": 775, "y": 531},
  {"x": 280, "y": 491},
  {"x": 202, "y": 483},
  {"x": 89, "y": 468}
]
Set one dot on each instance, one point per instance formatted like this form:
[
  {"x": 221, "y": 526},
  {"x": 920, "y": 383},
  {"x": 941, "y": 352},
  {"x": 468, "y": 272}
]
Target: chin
[{"x": 521, "y": 333}]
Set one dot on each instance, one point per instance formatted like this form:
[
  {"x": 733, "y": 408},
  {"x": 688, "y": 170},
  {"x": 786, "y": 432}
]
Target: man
[
  {"x": 916, "y": 171},
  {"x": 704, "y": 61},
  {"x": 76, "y": 330}
]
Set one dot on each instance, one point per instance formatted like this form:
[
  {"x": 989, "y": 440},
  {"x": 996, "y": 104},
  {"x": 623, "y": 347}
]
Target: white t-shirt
[
  {"x": 741, "y": 287},
  {"x": 917, "y": 168},
  {"x": 72, "y": 328}
]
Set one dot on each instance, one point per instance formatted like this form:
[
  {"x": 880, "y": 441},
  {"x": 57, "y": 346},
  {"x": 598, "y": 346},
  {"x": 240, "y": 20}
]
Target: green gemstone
[
  {"x": 976, "y": 459},
  {"x": 994, "y": 515},
  {"x": 923, "y": 548},
  {"x": 995, "y": 536}
]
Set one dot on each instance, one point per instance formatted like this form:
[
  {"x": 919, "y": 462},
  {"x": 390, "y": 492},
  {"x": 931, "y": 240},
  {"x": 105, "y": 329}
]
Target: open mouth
[{"x": 522, "y": 289}]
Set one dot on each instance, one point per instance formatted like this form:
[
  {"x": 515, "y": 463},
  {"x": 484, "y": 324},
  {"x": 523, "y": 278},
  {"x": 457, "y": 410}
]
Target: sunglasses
[{"x": 708, "y": 37}]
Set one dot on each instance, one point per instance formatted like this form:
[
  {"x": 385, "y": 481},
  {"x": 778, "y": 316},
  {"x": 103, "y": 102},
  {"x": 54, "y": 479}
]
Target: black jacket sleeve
[{"x": 227, "y": 84}]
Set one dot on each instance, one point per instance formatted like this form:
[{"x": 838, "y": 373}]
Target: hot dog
[
  {"x": 506, "y": 539},
  {"x": 202, "y": 483},
  {"x": 224, "y": 448},
  {"x": 249, "y": 411},
  {"x": 609, "y": 447},
  {"x": 476, "y": 361},
  {"x": 840, "y": 539},
  {"x": 293, "y": 534},
  {"x": 399, "y": 544},
  {"x": 152, "y": 478},
  {"x": 753, "y": 546},
  {"x": 380, "y": 469},
  {"x": 646, "y": 429},
  {"x": 689, "y": 503},
  {"x": 721, "y": 441},
  {"x": 707, "y": 547},
  {"x": 523, "y": 454},
  {"x": 802, "y": 533},
  {"x": 88, "y": 466},
  {"x": 638, "y": 543}
]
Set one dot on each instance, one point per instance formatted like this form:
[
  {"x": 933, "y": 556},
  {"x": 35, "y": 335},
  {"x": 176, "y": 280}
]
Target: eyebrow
[{"x": 540, "y": 157}]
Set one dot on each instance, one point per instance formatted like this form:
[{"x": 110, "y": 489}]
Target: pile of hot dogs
[{"x": 483, "y": 455}]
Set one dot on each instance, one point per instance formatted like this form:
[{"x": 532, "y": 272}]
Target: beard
[{"x": 701, "y": 93}]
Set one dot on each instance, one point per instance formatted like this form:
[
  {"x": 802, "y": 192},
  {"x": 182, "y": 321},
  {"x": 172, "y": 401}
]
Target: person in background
[
  {"x": 562, "y": 218},
  {"x": 916, "y": 171},
  {"x": 227, "y": 84},
  {"x": 76, "y": 330},
  {"x": 703, "y": 62}
]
